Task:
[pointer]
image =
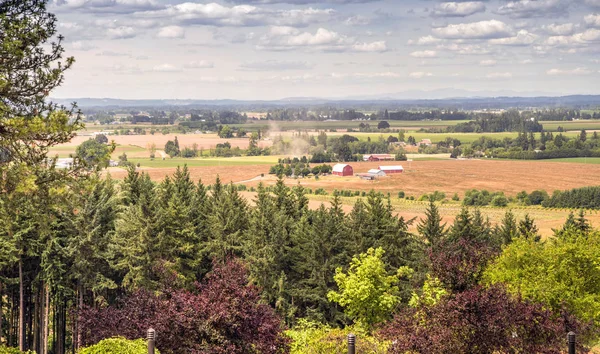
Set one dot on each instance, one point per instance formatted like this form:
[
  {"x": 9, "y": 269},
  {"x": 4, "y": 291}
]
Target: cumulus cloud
[
  {"x": 564, "y": 29},
  {"x": 576, "y": 71},
  {"x": 281, "y": 38},
  {"x": 476, "y": 30},
  {"x": 489, "y": 62},
  {"x": 424, "y": 54},
  {"x": 275, "y": 65},
  {"x": 165, "y": 68},
  {"x": 522, "y": 38},
  {"x": 105, "y": 6},
  {"x": 588, "y": 37},
  {"x": 535, "y": 8},
  {"x": 121, "y": 32},
  {"x": 199, "y": 64},
  {"x": 171, "y": 32},
  {"x": 214, "y": 14},
  {"x": 419, "y": 75},
  {"x": 357, "y": 20},
  {"x": 505, "y": 75},
  {"x": 426, "y": 40},
  {"x": 592, "y": 20},
  {"x": 465, "y": 49},
  {"x": 458, "y": 9}
]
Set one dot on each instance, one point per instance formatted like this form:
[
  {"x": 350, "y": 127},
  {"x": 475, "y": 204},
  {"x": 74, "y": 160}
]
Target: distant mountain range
[{"x": 436, "y": 99}]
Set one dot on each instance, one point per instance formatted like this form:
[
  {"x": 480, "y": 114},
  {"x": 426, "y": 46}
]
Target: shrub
[
  {"x": 401, "y": 195},
  {"x": 223, "y": 314},
  {"x": 10, "y": 350},
  {"x": 117, "y": 346},
  {"x": 499, "y": 201},
  {"x": 310, "y": 337}
]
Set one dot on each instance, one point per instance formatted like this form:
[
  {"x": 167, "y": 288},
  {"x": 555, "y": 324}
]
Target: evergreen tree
[
  {"x": 528, "y": 229},
  {"x": 508, "y": 228},
  {"x": 431, "y": 228}
]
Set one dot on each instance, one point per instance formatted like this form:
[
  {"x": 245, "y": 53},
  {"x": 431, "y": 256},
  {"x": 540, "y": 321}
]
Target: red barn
[
  {"x": 392, "y": 169},
  {"x": 343, "y": 170}
]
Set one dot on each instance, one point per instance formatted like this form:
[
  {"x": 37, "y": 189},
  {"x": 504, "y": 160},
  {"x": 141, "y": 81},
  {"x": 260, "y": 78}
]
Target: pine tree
[
  {"x": 431, "y": 228},
  {"x": 528, "y": 229},
  {"x": 508, "y": 228}
]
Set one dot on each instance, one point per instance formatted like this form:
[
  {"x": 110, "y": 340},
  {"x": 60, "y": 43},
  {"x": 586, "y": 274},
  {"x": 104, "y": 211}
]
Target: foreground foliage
[
  {"x": 561, "y": 272},
  {"x": 117, "y": 346},
  {"x": 222, "y": 315},
  {"x": 314, "y": 338}
]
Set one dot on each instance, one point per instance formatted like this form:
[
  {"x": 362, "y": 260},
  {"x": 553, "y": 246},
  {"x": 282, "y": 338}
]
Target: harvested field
[
  {"x": 204, "y": 141},
  {"x": 458, "y": 176}
]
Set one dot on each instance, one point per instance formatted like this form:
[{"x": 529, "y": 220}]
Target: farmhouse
[
  {"x": 426, "y": 142},
  {"x": 392, "y": 169},
  {"x": 378, "y": 157},
  {"x": 343, "y": 170}
]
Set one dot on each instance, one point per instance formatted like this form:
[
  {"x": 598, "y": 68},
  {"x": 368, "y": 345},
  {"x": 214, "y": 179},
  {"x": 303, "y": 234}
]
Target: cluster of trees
[
  {"x": 548, "y": 146},
  {"x": 586, "y": 197},
  {"x": 483, "y": 197},
  {"x": 299, "y": 169},
  {"x": 428, "y": 115},
  {"x": 510, "y": 121}
]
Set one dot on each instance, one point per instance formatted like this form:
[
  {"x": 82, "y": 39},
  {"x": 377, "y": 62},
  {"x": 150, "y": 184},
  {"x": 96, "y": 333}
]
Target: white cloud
[
  {"x": 419, "y": 75},
  {"x": 522, "y": 38},
  {"x": 379, "y": 47},
  {"x": 358, "y": 20},
  {"x": 564, "y": 29},
  {"x": 424, "y": 54},
  {"x": 476, "y": 30},
  {"x": 488, "y": 62},
  {"x": 122, "y": 32},
  {"x": 458, "y": 9},
  {"x": 526, "y": 61},
  {"x": 588, "y": 37},
  {"x": 238, "y": 16},
  {"x": 465, "y": 49},
  {"x": 171, "y": 32},
  {"x": 505, "y": 75},
  {"x": 592, "y": 20},
  {"x": 281, "y": 38},
  {"x": 576, "y": 71},
  {"x": 165, "y": 68},
  {"x": 199, "y": 64},
  {"x": 275, "y": 65},
  {"x": 426, "y": 40},
  {"x": 105, "y": 6},
  {"x": 535, "y": 8},
  {"x": 82, "y": 45}
]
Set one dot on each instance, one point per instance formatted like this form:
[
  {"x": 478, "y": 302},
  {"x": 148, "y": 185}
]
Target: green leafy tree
[
  {"x": 367, "y": 293},
  {"x": 95, "y": 155},
  {"x": 171, "y": 148},
  {"x": 562, "y": 271}
]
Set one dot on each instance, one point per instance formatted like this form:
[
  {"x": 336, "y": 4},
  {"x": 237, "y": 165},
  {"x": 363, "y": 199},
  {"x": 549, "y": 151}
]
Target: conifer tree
[
  {"x": 528, "y": 229},
  {"x": 431, "y": 228},
  {"x": 507, "y": 230}
]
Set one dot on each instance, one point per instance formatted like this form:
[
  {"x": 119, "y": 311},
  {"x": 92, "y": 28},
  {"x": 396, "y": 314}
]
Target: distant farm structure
[
  {"x": 392, "y": 169},
  {"x": 378, "y": 157},
  {"x": 343, "y": 170}
]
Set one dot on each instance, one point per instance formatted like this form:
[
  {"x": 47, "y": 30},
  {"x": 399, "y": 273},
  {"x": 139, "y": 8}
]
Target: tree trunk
[
  {"x": 21, "y": 334},
  {"x": 1, "y": 312},
  {"x": 46, "y": 317}
]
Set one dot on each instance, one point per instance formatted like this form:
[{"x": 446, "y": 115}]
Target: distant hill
[{"x": 467, "y": 103}]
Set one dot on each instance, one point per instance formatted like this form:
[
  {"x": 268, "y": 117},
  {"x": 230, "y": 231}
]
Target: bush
[
  {"x": 310, "y": 337},
  {"x": 10, "y": 350},
  {"x": 499, "y": 201},
  {"x": 117, "y": 346},
  {"x": 401, "y": 195}
]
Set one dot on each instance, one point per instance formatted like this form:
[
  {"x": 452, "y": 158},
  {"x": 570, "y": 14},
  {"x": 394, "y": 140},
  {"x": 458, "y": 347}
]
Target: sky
[{"x": 274, "y": 49}]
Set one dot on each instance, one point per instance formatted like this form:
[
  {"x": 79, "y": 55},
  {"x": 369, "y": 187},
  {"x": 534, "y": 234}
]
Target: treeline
[
  {"x": 587, "y": 197},
  {"x": 512, "y": 121},
  {"x": 527, "y": 147}
]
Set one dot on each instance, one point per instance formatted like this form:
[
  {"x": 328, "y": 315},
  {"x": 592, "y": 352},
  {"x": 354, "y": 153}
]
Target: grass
[
  {"x": 588, "y": 160},
  {"x": 572, "y": 125},
  {"x": 204, "y": 162},
  {"x": 318, "y": 125}
]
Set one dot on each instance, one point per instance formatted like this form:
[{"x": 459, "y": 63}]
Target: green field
[
  {"x": 318, "y": 125},
  {"x": 203, "y": 162},
  {"x": 572, "y": 125},
  {"x": 588, "y": 160}
]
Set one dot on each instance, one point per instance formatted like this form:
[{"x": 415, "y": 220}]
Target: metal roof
[
  {"x": 339, "y": 167},
  {"x": 391, "y": 168}
]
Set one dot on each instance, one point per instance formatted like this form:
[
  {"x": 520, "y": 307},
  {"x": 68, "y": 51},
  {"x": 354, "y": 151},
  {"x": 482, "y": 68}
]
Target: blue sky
[{"x": 270, "y": 49}]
